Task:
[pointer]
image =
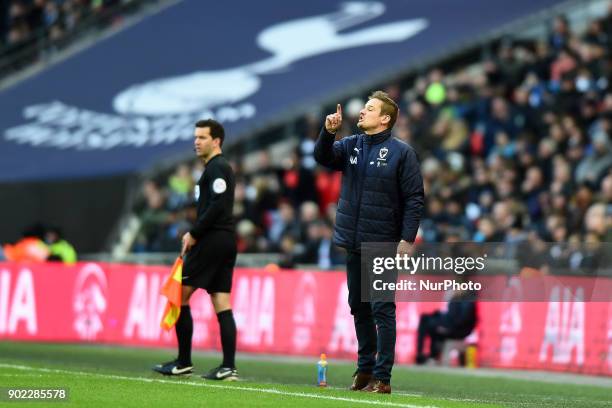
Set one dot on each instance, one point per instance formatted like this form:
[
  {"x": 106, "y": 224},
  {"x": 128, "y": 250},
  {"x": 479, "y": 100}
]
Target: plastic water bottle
[
  {"x": 322, "y": 371},
  {"x": 471, "y": 356}
]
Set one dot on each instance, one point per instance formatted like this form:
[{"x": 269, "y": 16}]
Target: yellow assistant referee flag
[{"x": 172, "y": 291}]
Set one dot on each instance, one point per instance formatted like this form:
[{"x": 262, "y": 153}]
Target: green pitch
[{"x": 100, "y": 376}]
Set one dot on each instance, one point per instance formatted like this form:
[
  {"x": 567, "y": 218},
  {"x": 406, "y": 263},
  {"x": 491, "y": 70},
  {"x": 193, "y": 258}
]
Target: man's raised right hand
[{"x": 334, "y": 121}]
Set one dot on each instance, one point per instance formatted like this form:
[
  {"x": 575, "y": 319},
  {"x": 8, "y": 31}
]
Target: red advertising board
[{"x": 292, "y": 313}]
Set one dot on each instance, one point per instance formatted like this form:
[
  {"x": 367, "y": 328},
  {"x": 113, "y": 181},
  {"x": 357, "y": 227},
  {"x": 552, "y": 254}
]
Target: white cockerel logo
[{"x": 288, "y": 42}]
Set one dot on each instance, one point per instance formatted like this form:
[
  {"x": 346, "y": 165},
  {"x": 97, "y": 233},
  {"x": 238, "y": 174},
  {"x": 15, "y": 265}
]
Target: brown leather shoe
[
  {"x": 378, "y": 386},
  {"x": 360, "y": 381}
]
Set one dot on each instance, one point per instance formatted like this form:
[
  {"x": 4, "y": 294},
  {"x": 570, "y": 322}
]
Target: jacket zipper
[{"x": 362, "y": 172}]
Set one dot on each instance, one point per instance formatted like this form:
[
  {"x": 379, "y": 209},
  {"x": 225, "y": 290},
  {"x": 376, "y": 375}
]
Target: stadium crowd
[
  {"x": 31, "y": 28},
  {"x": 25, "y": 18},
  {"x": 515, "y": 147}
]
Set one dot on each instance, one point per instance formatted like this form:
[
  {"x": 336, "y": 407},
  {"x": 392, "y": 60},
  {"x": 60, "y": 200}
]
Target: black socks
[
  {"x": 184, "y": 333},
  {"x": 227, "y": 329}
]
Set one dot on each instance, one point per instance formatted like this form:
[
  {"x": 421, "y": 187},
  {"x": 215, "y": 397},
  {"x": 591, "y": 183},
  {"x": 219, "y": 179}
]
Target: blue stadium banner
[{"x": 132, "y": 99}]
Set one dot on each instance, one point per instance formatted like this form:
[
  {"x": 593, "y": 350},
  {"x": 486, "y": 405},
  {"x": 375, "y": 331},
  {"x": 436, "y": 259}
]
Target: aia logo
[
  {"x": 89, "y": 303},
  {"x": 304, "y": 313},
  {"x": 353, "y": 159}
]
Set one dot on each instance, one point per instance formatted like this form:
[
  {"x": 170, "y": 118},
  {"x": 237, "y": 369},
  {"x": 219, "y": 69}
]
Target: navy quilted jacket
[{"x": 382, "y": 197}]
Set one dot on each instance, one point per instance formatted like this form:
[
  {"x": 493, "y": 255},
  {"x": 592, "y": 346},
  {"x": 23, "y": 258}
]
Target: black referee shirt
[{"x": 215, "y": 195}]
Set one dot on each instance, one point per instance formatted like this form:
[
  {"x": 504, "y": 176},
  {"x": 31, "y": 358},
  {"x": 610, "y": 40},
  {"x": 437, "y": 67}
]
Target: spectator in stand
[
  {"x": 560, "y": 35},
  {"x": 30, "y": 248},
  {"x": 606, "y": 189},
  {"x": 298, "y": 180},
  {"x": 488, "y": 231},
  {"x": 288, "y": 252},
  {"x": 456, "y": 323},
  {"x": 309, "y": 214},
  {"x": 328, "y": 187},
  {"x": 247, "y": 237},
  {"x": 598, "y": 222},
  {"x": 180, "y": 184},
  {"x": 154, "y": 218},
  {"x": 60, "y": 250},
  {"x": 592, "y": 168},
  {"x": 319, "y": 249},
  {"x": 283, "y": 223}
]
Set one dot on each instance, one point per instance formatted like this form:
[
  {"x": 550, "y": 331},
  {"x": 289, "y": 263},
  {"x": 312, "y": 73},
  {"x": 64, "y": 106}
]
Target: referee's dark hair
[{"x": 216, "y": 129}]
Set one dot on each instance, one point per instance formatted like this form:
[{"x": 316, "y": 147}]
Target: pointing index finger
[{"x": 339, "y": 110}]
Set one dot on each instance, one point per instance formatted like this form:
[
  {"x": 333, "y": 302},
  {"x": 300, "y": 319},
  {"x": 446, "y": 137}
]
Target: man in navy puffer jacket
[{"x": 381, "y": 200}]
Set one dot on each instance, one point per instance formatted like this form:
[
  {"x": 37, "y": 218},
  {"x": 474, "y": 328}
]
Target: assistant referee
[{"x": 209, "y": 251}]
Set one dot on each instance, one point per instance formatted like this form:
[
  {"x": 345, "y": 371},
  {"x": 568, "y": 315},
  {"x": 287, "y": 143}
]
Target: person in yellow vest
[{"x": 60, "y": 250}]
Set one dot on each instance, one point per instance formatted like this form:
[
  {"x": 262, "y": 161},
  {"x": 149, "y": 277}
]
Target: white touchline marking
[
  {"x": 404, "y": 393},
  {"x": 229, "y": 387},
  {"x": 20, "y": 375}
]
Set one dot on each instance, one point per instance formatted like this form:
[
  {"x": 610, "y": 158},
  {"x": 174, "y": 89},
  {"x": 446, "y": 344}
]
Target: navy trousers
[{"x": 374, "y": 325}]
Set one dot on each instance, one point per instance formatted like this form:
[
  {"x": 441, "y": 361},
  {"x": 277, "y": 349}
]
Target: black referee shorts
[{"x": 209, "y": 264}]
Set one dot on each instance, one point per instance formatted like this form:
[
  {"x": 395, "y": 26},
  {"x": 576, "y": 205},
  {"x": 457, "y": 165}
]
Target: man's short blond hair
[{"x": 389, "y": 107}]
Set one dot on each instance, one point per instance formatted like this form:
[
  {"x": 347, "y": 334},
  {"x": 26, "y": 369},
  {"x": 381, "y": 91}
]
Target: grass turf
[{"x": 101, "y": 376}]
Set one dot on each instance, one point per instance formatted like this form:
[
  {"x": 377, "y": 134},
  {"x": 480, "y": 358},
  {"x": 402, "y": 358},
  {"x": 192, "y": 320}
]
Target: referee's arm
[
  {"x": 413, "y": 195},
  {"x": 220, "y": 201}
]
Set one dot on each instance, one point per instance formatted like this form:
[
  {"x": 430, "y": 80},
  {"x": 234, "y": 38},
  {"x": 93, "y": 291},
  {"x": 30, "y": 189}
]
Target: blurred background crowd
[
  {"x": 31, "y": 30},
  {"x": 514, "y": 147},
  {"x": 51, "y": 18}
]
